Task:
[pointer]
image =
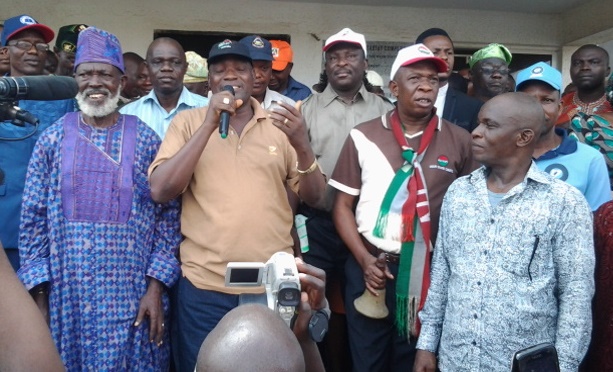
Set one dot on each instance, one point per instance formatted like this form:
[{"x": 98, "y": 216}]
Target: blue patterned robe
[{"x": 98, "y": 270}]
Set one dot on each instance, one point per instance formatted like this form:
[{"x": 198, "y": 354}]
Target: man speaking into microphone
[
  {"x": 25, "y": 42},
  {"x": 235, "y": 206}
]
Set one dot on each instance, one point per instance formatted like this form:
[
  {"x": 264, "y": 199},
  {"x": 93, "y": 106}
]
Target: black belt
[{"x": 392, "y": 258}]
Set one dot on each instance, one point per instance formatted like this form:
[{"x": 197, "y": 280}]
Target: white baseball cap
[
  {"x": 413, "y": 54},
  {"x": 346, "y": 35},
  {"x": 374, "y": 78}
]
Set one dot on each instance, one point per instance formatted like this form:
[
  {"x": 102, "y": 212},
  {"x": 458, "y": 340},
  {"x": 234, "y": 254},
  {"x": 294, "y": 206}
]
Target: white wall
[{"x": 134, "y": 22}]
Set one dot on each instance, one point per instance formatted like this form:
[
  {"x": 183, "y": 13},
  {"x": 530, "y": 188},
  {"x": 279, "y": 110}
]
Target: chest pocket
[{"x": 518, "y": 258}]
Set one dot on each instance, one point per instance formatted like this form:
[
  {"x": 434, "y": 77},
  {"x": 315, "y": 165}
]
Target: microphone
[
  {"x": 37, "y": 88},
  {"x": 224, "y": 119}
]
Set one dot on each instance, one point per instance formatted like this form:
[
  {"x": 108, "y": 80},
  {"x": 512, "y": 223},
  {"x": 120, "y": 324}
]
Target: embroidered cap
[
  {"x": 67, "y": 37},
  {"x": 346, "y": 35},
  {"x": 260, "y": 49},
  {"x": 197, "y": 70},
  {"x": 540, "y": 71},
  {"x": 493, "y": 50},
  {"x": 413, "y": 54},
  {"x": 96, "y": 45},
  {"x": 228, "y": 48},
  {"x": 24, "y": 22}
]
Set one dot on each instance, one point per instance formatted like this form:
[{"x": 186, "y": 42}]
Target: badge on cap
[
  {"x": 423, "y": 49},
  {"x": 275, "y": 52},
  {"x": 80, "y": 28},
  {"x": 68, "y": 47},
  {"x": 225, "y": 44},
  {"x": 538, "y": 70},
  {"x": 27, "y": 20},
  {"x": 258, "y": 43}
]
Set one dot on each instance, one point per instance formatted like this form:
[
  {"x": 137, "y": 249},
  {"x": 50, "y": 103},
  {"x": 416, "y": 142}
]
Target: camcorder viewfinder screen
[{"x": 244, "y": 275}]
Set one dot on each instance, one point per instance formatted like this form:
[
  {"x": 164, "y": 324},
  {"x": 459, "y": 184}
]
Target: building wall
[{"x": 309, "y": 24}]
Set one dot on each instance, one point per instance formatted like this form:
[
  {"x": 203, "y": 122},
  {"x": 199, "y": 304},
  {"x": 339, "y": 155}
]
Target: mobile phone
[{"x": 538, "y": 358}]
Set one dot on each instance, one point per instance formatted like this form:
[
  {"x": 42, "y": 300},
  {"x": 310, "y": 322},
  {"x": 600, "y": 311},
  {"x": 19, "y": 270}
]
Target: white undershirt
[{"x": 440, "y": 99}]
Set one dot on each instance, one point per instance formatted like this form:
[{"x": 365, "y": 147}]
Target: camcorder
[{"x": 279, "y": 275}]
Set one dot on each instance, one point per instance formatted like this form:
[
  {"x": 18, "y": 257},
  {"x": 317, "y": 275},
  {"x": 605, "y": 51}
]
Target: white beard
[{"x": 98, "y": 110}]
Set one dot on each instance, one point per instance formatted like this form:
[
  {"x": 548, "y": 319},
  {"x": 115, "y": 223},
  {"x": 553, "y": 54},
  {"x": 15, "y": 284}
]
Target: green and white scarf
[{"x": 405, "y": 198}]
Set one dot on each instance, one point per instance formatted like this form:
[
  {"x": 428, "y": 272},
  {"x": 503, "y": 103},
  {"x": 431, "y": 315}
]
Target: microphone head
[{"x": 228, "y": 88}]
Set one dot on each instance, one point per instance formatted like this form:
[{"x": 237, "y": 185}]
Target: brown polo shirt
[
  {"x": 235, "y": 207},
  {"x": 371, "y": 157}
]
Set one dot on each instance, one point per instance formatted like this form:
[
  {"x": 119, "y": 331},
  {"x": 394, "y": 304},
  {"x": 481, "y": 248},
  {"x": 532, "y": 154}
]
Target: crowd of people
[{"x": 476, "y": 212}]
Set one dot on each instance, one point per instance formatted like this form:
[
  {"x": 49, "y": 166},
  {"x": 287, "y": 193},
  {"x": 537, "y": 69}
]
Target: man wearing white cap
[
  {"x": 391, "y": 176},
  {"x": 376, "y": 81},
  {"x": 343, "y": 103},
  {"x": 330, "y": 115}
]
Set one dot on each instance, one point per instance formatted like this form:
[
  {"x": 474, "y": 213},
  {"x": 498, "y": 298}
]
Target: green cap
[
  {"x": 493, "y": 50},
  {"x": 67, "y": 38}
]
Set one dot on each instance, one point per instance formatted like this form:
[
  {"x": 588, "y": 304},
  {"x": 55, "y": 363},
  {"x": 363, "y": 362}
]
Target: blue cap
[
  {"x": 259, "y": 48},
  {"x": 24, "y": 22},
  {"x": 540, "y": 71}
]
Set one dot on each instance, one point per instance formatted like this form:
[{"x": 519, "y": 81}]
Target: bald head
[
  {"x": 509, "y": 127},
  {"x": 251, "y": 338},
  {"x": 163, "y": 40},
  {"x": 519, "y": 109}
]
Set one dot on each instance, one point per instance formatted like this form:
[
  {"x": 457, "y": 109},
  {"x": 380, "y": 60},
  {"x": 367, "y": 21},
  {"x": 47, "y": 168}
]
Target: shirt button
[
  {"x": 474, "y": 343},
  {"x": 492, "y": 220},
  {"x": 475, "y": 316},
  {"x": 478, "y": 283},
  {"x": 239, "y": 147},
  {"x": 485, "y": 253}
]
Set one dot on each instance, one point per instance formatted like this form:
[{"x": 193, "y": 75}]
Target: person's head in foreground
[
  {"x": 509, "y": 127},
  {"x": 251, "y": 338}
]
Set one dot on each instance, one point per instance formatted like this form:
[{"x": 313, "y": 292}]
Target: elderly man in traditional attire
[{"x": 97, "y": 252}]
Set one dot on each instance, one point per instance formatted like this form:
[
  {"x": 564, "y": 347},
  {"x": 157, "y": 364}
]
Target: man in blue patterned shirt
[{"x": 514, "y": 263}]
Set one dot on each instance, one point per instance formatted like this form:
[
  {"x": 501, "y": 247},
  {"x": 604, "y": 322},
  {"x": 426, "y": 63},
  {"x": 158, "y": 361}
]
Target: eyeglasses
[
  {"x": 26, "y": 45},
  {"x": 489, "y": 71}
]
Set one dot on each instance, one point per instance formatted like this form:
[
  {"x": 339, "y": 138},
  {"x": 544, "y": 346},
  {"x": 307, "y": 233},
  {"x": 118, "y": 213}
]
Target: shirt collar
[
  {"x": 292, "y": 84},
  {"x": 186, "y": 98},
  {"x": 259, "y": 113},
  {"x": 329, "y": 95},
  {"x": 568, "y": 146},
  {"x": 534, "y": 174},
  {"x": 386, "y": 125}
]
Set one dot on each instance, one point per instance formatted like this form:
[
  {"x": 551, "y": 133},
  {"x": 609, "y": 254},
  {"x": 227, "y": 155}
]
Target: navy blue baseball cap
[
  {"x": 228, "y": 48},
  {"x": 24, "y": 22},
  {"x": 259, "y": 48}
]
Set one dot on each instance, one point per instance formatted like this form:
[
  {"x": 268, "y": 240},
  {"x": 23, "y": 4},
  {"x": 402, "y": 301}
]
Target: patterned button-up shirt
[{"x": 509, "y": 277}]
